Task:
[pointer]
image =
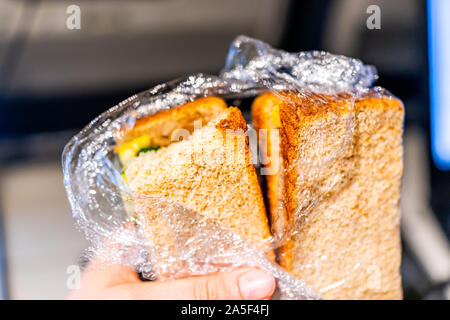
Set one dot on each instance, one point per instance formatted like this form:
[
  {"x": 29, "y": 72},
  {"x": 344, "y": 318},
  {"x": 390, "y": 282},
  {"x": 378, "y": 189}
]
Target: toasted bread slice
[
  {"x": 341, "y": 191},
  {"x": 161, "y": 129},
  {"x": 265, "y": 115},
  {"x": 159, "y": 126},
  {"x": 210, "y": 172}
]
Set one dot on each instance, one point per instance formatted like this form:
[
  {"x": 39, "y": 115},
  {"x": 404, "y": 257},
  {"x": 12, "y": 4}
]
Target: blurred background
[{"x": 54, "y": 80}]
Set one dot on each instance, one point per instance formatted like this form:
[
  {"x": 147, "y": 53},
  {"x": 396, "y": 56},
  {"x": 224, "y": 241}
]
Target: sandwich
[
  {"x": 197, "y": 155},
  {"x": 336, "y": 191}
]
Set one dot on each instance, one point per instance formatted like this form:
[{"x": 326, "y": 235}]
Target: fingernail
[{"x": 256, "y": 284}]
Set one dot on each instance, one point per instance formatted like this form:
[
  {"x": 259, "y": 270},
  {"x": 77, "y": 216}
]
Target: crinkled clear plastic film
[{"x": 163, "y": 239}]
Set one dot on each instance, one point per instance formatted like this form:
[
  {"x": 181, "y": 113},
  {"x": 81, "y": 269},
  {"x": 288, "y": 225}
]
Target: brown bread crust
[
  {"x": 262, "y": 115},
  {"x": 161, "y": 125}
]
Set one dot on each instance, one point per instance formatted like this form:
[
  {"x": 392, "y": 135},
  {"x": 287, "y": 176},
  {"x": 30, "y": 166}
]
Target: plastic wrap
[{"x": 101, "y": 200}]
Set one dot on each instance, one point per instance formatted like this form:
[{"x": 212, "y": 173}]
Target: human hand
[{"x": 122, "y": 282}]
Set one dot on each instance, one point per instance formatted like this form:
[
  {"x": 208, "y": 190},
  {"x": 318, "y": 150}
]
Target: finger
[
  {"x": 109, "y": 276},
  {"x": 245, "y": 283},
  {"x": 97, "y": 281}
]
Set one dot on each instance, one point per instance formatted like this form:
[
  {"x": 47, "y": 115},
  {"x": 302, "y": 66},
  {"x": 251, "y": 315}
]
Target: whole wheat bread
[
  {"x": 343, "y": 169},
  {"x": 161, "y": 125},
  {"x": 210, "y": 172}
]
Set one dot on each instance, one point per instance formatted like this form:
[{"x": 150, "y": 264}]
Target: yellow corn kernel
[{"x": 130, "y": 149}]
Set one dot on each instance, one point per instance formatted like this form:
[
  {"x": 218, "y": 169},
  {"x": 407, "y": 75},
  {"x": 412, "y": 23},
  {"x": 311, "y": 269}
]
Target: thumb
[{"x": 244, "y": 283}]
